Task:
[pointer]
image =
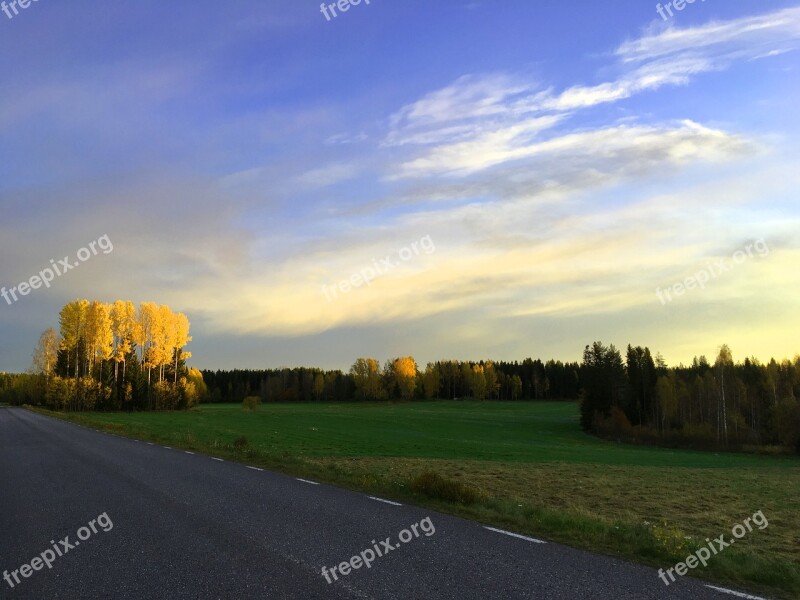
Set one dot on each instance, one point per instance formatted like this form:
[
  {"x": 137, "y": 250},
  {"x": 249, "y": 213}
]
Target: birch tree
[
  {"x": 123, "y": 325},
  {"x": 181, "y": 338},
  {"x": 72, "y": 322},
  {"x": 724, "y": 360},
  {"x": 46, "y": 353},
  {"x": 405, "y": 373},
  {"x": 145, "y": 327},
  {"x": 99, "y": 336}
]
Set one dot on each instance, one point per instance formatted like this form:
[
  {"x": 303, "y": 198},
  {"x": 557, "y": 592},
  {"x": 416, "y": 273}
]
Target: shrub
[
  {"x": 435, "y": 486},
  {"x": 166, "y": 396},
  {"x": 251, "y": 403},
  {"x": 616, "y": 424},
  {"x": 671, "y": 539}
]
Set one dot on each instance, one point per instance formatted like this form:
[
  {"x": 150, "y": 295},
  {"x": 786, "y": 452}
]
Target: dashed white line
[
  {"x": 738, "y": 594},
  {"x": 254, "y": 468},
  {"x": 187, "y": 452},
  {"x": 150, "y": 444},
  {"x": 516, "y": 535},
  {"x": 167, "y": 447},
  {"x": 215, "y": 458},
  {"x": 307, "y": 481},
  {"x": 386, "y": 501}
]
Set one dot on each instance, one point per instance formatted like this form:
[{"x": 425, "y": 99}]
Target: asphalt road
[{"x": 189, "y": 526}]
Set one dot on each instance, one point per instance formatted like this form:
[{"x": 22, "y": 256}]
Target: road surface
[{"x": 181, "y": 525}]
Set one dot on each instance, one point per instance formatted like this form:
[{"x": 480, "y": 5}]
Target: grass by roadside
[{"x": 519, "y": 466}]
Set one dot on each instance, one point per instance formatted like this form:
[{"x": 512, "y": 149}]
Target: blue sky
[{"x": 560, "y": 161}]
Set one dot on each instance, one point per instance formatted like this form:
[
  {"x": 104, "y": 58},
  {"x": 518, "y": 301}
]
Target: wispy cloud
[
  {"x": 328, "y": 175},
  {"x": 481, "y": 121},
  {"x": 719, "y": 40}
]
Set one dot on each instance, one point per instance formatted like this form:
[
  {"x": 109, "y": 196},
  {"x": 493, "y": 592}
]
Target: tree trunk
[{"x": 724, "y": 409}]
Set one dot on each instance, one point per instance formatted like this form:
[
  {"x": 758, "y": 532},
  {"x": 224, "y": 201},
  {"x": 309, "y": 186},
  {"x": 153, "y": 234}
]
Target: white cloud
[
  {"x": 746, "y": 35},
  {"x": 328, "y": 175},
  {"x": 468, "y": 98},
  {"x": 480, "y": 121},
  {"x": 673, "y": 144}
]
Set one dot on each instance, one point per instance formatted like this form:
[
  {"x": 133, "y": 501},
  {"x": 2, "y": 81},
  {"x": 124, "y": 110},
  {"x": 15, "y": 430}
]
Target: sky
[{"x": 453, "y": 179}]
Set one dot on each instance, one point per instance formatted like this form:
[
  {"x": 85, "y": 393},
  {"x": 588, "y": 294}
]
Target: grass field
[{"x": 528, "y": 467}]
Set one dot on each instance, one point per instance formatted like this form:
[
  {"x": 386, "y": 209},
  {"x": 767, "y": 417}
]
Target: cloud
[
  {"x": 346, "y": 138},
  {"x": 677, "y": 145},
  {"x": 468, "y": 98},
  {"x": 480, "y": 121},
  {"x": 328, "y": 175},
  {"x": 720, "y": 40}
]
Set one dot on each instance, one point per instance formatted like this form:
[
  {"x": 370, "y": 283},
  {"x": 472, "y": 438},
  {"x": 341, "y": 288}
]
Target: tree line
[
  {"x": 724, "y": 404},
  {"x": 400, "y": 378},
  {"x": 110, "y": 357},
  {"x": 113, "y": 357}
]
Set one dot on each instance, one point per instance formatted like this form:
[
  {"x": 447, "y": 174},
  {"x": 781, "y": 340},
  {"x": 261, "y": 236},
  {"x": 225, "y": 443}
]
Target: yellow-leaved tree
[
  {"x": 123, "y": 326},
  {"x": 145, "y": 331},
  {"x": 163, "y": 339},
  {"x": 405, "y": 373},
  {"x": 46, "y": 353},
  {"x": 99, "y": 337},
  {"x": 182, "y": 337},
  {"x": 72, "y": 321},
  {"x": 367, "y": 378}
]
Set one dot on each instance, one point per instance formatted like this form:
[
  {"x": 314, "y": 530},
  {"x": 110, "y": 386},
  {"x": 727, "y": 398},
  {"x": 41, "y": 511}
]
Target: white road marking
[
  {"x": 732, "y": 593},
  {"x": 167, "y": 447},
  {"x": 254, "y": 468},
  {"x": 150, "y": 444},
  {"x": 307, "y": 481},
  {"x": 386, "y": 501},
  {"x": 187, "y": 452},
  {"x": 215, "y": 458},
  {"x": 516, "y": 535}
]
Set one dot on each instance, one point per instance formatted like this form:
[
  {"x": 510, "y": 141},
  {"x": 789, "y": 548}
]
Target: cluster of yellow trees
[
  {"x": 481, "y": 380},
  {"x": 371, "y": 383},
  {"x": 95, "y": 332}
]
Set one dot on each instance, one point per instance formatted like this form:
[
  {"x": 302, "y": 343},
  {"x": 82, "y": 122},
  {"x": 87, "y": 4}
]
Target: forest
[
  {"x": 722, "y": 405},
  {"x": 117, "y": 357},
  {"x": 110, "y": 357},
  {"x": 401, "y": 378}
]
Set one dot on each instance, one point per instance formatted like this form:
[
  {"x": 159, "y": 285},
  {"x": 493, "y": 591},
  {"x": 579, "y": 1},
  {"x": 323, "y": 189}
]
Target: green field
[{"x": 529, "y": 468}]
